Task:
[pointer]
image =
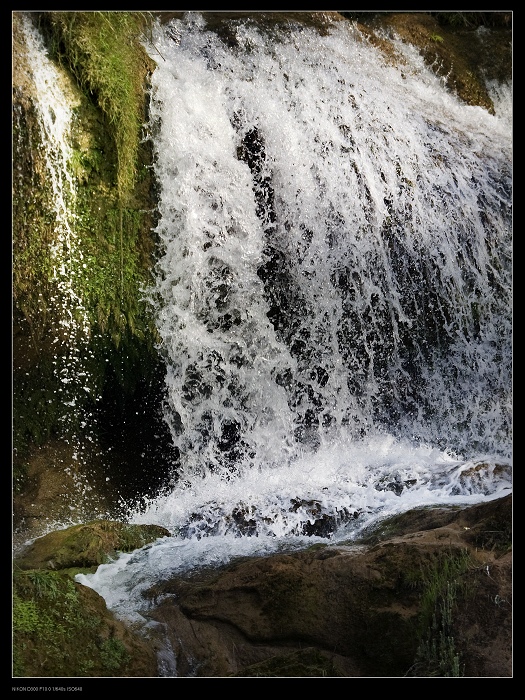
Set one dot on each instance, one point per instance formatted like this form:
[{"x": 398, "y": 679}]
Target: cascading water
[
  {"x": 333, "y": 294},
  {"x": 334, "y": 263},
  {"x": 71, "y": 333}
]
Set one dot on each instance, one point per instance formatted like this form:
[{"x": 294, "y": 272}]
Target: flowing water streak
[
  {"x": 54, "y": 106},
  {"x": 333, "y": 296}
]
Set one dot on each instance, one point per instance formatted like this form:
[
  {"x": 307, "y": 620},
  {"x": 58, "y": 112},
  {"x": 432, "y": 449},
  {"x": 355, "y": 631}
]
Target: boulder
[
  {"x": 86, "y": 546},
  {"x": 64, "y": 629}
]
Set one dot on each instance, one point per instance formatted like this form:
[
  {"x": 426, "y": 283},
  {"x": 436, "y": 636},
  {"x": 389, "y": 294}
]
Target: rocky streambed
[{"x": 427, "y": 594}]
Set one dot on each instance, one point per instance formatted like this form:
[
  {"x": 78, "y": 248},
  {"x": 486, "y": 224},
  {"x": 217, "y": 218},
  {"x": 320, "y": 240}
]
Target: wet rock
[
  {"x": 86, "y": 546},
  {"x": 366, "y": 604}
]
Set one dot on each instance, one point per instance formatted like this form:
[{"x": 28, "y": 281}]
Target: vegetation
[
  {"x": 112, "y": 216},
  {"x": 442, "y": 586},
  {"x": 104, "y": 53},
  {"x": 52, "y": 614},
  {"x": 62, "y": 628}
]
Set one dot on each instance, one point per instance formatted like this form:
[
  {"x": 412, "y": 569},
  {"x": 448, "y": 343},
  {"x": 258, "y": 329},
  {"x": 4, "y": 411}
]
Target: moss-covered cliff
[{"x": 109, "y": 334}]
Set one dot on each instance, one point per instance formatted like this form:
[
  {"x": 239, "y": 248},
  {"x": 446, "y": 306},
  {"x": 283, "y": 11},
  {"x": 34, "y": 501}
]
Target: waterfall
[
  {"x": 336, "y": 255},
  {"x": 332, "y": 294}
]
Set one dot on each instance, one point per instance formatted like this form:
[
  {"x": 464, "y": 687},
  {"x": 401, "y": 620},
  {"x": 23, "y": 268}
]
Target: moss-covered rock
[
  {"x": 425, "y": 597},
  {"x": 86, "y": 546},
  {"x": 63, "y": 629}
]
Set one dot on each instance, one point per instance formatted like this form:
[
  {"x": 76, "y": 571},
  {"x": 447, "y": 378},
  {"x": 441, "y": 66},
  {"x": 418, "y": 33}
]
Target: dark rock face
[{"x": 355, "y": 610}]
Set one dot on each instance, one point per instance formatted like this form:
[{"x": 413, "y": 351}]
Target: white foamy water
[
  {"x": 270, "y": 510},
  {"x": 333, "y": 295}
]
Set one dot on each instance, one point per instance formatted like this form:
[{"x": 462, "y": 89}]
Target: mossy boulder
[
  {"x": 86, "y": 546},
  {"x": 110, "y": 412},
  {"x": 63, "y": 629}
]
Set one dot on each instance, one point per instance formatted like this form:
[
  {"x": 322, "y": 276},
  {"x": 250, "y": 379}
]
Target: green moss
[
  {"x": 26, "y": 617},
  {"x": 112, "y": 215},
  {"x": 81, "y": 547},
  {"x": 33, "y": 225},
  {"x": 114, "y": 654},
  {"x": 42, "y": 603},
  {"x": 103, "y": 51},
  {"x": 50, "y": 616}
]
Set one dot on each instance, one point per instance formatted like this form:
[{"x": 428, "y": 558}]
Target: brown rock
[{"x": 360, "y": 610}]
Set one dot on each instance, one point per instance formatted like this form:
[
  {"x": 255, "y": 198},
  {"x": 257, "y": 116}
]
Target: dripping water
[{"x": 70, "y": 325}]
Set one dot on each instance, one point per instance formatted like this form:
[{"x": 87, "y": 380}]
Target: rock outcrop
[
  {"x": 64, "y": 629},
  {"x": 434, "y": 599}
]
